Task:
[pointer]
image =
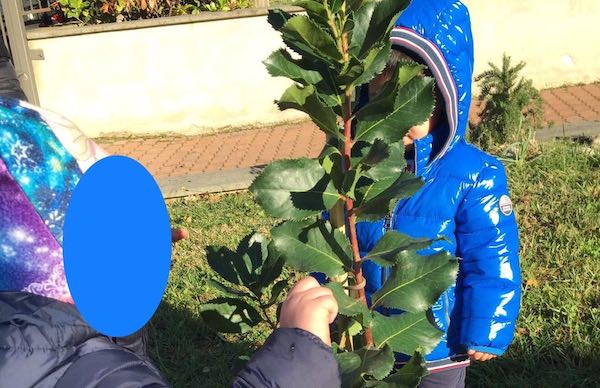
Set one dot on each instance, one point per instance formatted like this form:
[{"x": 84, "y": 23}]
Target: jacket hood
[{"x": 439, "y": 32}]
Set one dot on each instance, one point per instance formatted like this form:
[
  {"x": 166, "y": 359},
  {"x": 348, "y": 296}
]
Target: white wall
[
  {"x": 186, "y": 78},
  {"x": 202, "y": 76},
  {"x": 558, "y": 40}
]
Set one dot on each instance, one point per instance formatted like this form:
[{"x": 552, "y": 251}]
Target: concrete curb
[
  {"x": 241, "y": 178},
  {"x": 209, "y": 182}
]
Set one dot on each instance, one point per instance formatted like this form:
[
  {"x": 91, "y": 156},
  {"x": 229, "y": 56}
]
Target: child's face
[{"x": 418, "y": 131}]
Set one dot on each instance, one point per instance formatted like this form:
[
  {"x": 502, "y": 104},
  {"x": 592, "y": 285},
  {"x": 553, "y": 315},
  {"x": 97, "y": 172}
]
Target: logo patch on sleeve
[{"x": 506, "y": 206}]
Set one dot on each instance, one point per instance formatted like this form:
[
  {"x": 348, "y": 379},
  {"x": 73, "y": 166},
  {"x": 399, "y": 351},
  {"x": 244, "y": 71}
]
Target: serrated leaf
[
  {"x": 413, "y": 105},
  {"x": 409, "y": 375},
  {"x": 347, "y": 305},
  {"x": 379, "y": 198},
  {"x": 229, "y": 315},
  {"x": 305, "y": 99},
  {"x": 382, "y": 20},
  {"x": 307, "y": 38},
  {"x": 276, "y": 291},
  {"x": 281, "y": 64},
  {"x": 348, "y": 362},
  {"x": 374, "y": 63},
  {"x": 378, "y": 152},
  {"x": 386, "y": 251},
  {"x": 363, "y": 364},
  {"x": 351, "y": 71},
  {"x": 392, "y": 166},
  {"x": 406, "y": 332},
  {"x": 224, "y": 289},
  {"x": 380, "y": 106},
  {"x": 314, "y": 9},
  {"x": 313, "y": 246},
  {"x": 277, "y": 18},
  {"x": 362, "y": 18},
  {"x": 294, "y": 189},
  {"x": 417, "y": 281},
  {"x": 376, "y": 362}
]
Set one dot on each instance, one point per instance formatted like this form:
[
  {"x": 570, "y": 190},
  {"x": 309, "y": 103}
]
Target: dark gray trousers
[{"x": 453, "y": 378}]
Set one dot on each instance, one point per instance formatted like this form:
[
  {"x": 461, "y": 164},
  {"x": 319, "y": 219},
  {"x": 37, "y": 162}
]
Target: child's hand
[
  {"x": 480, "y": 356},
  {"x": 416, "y": 132},
  {"x": 310, "y": 307}
]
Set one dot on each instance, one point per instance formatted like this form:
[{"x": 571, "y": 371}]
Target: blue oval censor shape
[{"x": 117, "y": 246}]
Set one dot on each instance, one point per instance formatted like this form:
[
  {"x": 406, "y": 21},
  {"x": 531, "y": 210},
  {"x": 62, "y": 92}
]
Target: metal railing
[{"x": 14, "y": 14}]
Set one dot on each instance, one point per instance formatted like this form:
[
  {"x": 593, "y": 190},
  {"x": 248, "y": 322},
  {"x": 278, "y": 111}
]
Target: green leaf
[
  {"x": 313, "y": 247},
  {"x": 281, "y": 64},
  {"x": 354, "y": 328},
  {"x": 351, "y": 71},
  {"x": 382, "y": 20},
  {"x": 228, "y": 264},
  {"x": 224, "y": 289},
  {"x": 314, "y": 9},
  {"x": 410, "y": 374},
  {"x": 349, "y": 183},
  {"x": 362, "y": 19},
  {"x": 378, "y": 152},
  {"x": 376, "y": 362},
  {"x": 349, "y": 363},
  {"x": 347, "y": 305},
  {"x": 413, "y": 105},
  {"x": 272, "y": 267},
  {"x": 307, "y": 38},
  {"x": 306, "y": 100},
  {"x": 374, "y": 63},
  {"x": 335, "y": 5},
  {"x": 378, "y": 199},
  {"x": 276, "y": 291},
  {"x": 364, "y": 364},
  {"x": 386, "y": 251},
  {"x": 417, "y": 281},
  {"x": 294, "y": 189},
  {"x": 277, "y": 18},
  {"x": 380, "y": 106},
  {"x": 331, "y": 160},
  {"x": 406, "y": 332},
  {"x": 229, "y": 315},
  {"x": 391, "y": 167}
]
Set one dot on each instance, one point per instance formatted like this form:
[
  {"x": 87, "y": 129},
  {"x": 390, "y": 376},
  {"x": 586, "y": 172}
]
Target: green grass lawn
[{"x": 557, "y": 201}]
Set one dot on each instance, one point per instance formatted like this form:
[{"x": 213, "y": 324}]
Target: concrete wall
[
  {"x": 199, "y": 74},
  {"x": 188, "y": 78},
  {"x": 557, "y": 39}
]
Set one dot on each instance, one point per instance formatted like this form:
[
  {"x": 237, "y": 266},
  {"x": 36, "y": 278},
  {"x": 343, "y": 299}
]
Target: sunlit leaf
[
  {"x": 313, "y": 246},
  {"x": 294, "y": 189},
  {"x": 229, "y": 315},
  {"x": 417, "y": 281},
  {"x": 406, "y": 332}
]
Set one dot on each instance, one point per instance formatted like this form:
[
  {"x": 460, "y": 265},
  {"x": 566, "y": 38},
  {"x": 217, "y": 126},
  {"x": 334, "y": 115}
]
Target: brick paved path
[{"x": 184, "y": 155}]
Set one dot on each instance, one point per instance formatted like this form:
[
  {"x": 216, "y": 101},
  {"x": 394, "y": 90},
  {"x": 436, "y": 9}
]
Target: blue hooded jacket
[{"x": 464, "y": 197}]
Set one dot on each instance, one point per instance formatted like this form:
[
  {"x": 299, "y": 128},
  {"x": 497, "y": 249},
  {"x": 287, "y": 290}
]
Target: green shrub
[
  {"x": 512, "y": 109},
  {"x": 107, "y": 11}
]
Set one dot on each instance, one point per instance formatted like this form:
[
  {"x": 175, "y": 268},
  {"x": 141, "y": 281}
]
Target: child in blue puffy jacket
[{"x": 464, "y": 197}]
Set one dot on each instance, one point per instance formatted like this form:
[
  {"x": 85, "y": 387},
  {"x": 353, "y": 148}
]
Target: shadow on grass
[
  {"x": 189, "y": 354},
  {"x": 548, "y": 365}
]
